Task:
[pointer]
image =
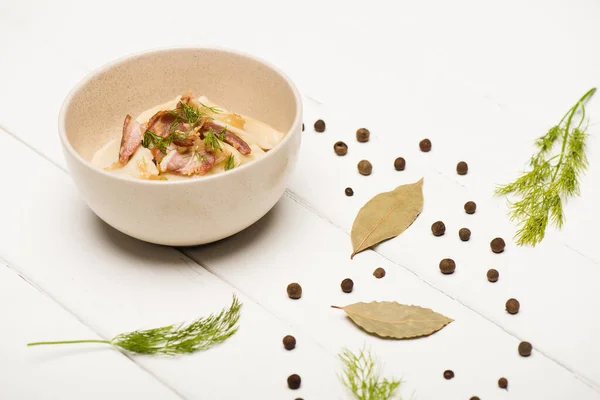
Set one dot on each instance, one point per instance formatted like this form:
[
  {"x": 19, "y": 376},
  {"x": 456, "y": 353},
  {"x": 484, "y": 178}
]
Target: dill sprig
[
  {"x": 552, "y": 178},
  {"x": 190, "y": 114},
  {"x": 212, "y": 138},
  {"x": 151, "y": 140},
  {"x": 230, "y": 164},
  {"x": 362, "y": 377},
  {"x": 175, "y": 339},
  {"x": 213, "y": 109}
]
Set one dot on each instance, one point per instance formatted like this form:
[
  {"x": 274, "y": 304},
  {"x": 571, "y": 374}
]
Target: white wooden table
[{"x": 481, "y": 79}]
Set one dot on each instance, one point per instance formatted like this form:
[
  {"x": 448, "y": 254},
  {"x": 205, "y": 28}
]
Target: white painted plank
[
  {"x": 551, "y": 281},
  {"x": 449, "y": 112},
  {"x": 118, "y": 284},
  {"x": 452, "y": 108},
  {"x": 63, "y": 372},
  {"x": 34, "y": 80},
  {"x": 90, "y": 43},
  {"x": 292, "y": 245}
]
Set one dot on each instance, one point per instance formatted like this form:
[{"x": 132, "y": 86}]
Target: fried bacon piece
[
  {"x": 133, "y": 133},
  {"x": 161, "y": 124},
  {"x": 198, "y": 162},
  {"x": 228, "y": 137}
]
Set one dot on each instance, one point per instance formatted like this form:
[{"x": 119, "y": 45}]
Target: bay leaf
[
  {"x": 394, "y": 320},
  {"x": 386, "y": 216}
]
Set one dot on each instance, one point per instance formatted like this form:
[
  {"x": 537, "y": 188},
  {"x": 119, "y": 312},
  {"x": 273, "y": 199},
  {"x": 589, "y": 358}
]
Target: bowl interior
[{"x": 95, "y": 111}]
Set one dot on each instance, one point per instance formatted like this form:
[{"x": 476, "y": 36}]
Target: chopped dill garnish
[
  {"x": 186, "y": 113},
  {"x": 151, "y": 140},
  {"x": 211, "y": 109},
  {"x": 211, "y": 139},
  {"x": 553, "y": 178},
  {"x": 230, "y": 164},
  {"x": 191, "y": 114},
  {"x": 175, "y": 339},
  {"x": 361, "y": 376},
  {"x": 175, "y": 122}
]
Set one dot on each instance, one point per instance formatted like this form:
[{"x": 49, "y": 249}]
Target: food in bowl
[
  {"x": 184, "y": 138},
  {"x": 182, "y": 211}
]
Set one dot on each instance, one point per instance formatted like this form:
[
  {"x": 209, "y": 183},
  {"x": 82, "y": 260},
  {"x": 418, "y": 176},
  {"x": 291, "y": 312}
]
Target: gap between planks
[
  {"x": 305, "y": 204},
  {"x": 63, "y": 307},
  {"x": 190, "y": 262},
  {"x": 300, "y": 201}
]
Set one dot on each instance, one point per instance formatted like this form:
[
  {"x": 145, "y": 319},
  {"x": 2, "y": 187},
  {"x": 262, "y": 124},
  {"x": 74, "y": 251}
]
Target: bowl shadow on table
[
  {"x": 154, "y": 255},
  {"x": 244, "y": 241},
  {"x": 136, "y": 251}
]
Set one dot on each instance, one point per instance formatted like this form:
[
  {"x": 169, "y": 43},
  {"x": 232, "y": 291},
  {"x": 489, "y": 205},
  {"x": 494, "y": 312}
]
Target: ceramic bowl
[{"x": 198, "y": 210}]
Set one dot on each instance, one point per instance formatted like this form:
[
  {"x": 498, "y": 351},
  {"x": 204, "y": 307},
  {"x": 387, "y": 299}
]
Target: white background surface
[{"x": 481, "y": 79}]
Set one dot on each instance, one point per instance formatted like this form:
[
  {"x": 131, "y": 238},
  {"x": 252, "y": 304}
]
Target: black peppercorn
[
  {"x": 349, "y": 192},
  {"x": 362, "y": 135},
  {"x": 303, "y": 127},
  {"x": 320, "y": 126},
  {"x": 512, "y": 306},
  {"x": 399, "y": 164},
  {"x": 347, "y": 285},
  {"x": 379, "y": 273},
  {"x": 289, "y": 342},
  {"x": 438, "y": 228},
  {"x": 425, "y": 145},
  {"x": 462, "y": 168},
  {"x": 447, "y": 266},
  {"x": 502, "y": 383},
  {"x": 294, "y": 291},
  {"x": 497, "y": 245},
  {"x": 340, "y": 148},
  {"x": 470, "y": 207},
  {"x": 525, "y": 349},
  {"x": 294, "y": 381},
  {"x": 448, "y": 374},
  {"x": 492, "y": 275},
  {"x": 365, "y": 167},
  {"x": 464, "y": 234}
]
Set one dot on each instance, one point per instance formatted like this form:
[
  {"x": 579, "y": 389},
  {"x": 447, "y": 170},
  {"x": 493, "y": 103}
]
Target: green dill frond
[
  {"x": 175, "y": 339},
  {"x": 555, "y": 208},
  {"x": 211, "y": 109},
  {"x": 230, "y": 164},
  {"x": 361, "y": 377},
  {"x": 211, "y": 140},
  {"x": 533, "y": 230},
  {"x": 546, "y": 142},
  {"x": 551, "y": 180},
  {"x": 190, "y": 113},
  {"x": 175, "y": 123},
  {"x": 186, "y": 113},
  {"x": 152, "y": 140},
  {"x": 149, "y": 138}
]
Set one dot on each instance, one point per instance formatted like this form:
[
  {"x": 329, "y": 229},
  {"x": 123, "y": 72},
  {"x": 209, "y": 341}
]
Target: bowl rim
[{"x": 66, "y": 144}]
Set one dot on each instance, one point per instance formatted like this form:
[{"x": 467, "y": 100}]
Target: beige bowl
[{"x": 194, "y": 211}]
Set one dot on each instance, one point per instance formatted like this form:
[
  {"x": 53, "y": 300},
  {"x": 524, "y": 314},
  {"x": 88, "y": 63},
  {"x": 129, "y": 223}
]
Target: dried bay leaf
[
  {"x": 386, "y": 216},
  {"x": 395, "y": 320}
]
